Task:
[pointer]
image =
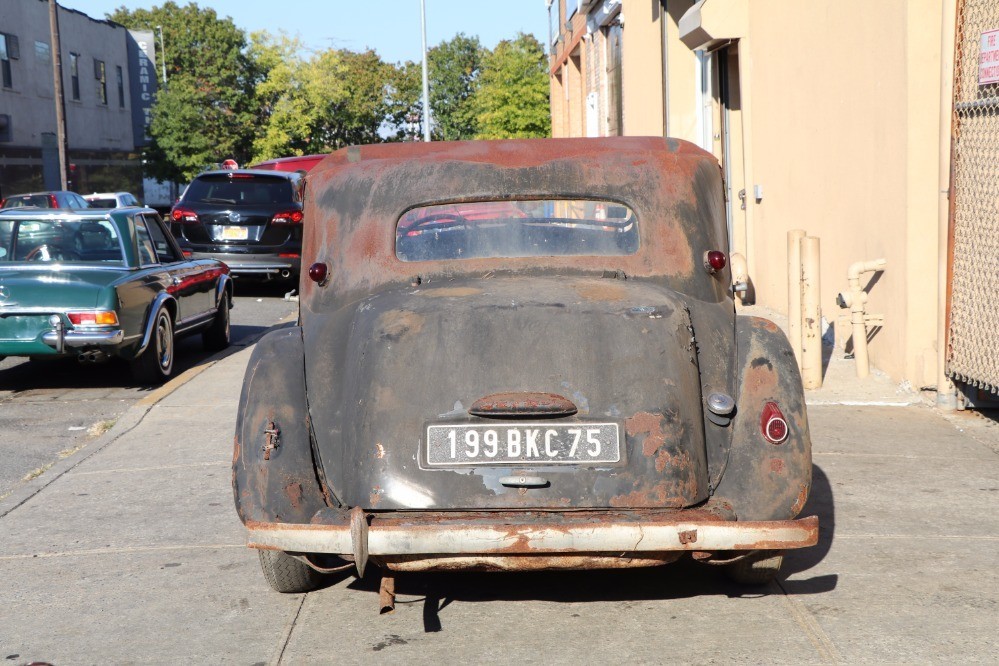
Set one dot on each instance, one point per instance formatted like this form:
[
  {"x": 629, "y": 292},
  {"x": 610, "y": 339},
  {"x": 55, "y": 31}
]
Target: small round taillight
[
  {"x": 714, "y": 261},
  {"x": 318, "y": 272},
  {"x": 772, "y": 424}
]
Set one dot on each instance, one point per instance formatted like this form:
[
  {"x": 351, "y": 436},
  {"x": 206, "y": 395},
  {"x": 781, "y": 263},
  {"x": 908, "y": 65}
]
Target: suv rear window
[
  {"x": 541, "y": 228},
  {"x": 239, "y": 189}
]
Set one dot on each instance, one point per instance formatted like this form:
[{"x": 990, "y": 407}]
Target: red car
[{"x": 297, "y": 163}]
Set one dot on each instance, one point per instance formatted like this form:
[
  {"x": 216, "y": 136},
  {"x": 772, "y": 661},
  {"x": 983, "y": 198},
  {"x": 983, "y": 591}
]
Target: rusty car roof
[{"x": 355, "y": 198}]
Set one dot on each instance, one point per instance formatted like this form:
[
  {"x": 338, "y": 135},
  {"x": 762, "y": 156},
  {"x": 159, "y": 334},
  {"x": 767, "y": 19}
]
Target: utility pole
[
  {"x": 59, "y": 97},
  {"x": 426, "y": 78}
]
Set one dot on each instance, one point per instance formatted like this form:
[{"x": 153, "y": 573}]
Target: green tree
[
  {"x": 333, "y": 99},
  {"x": 512, "y": 101},
  {"x": 207, "y": 112},
  {"x": 452, "y": 69}
]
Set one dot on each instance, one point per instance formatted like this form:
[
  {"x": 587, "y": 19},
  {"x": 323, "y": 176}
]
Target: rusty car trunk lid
[{"x": 384, "y": 369}]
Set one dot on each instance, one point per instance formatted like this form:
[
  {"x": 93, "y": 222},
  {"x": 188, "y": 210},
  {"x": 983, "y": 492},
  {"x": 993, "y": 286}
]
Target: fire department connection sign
[{"x": 988, "y": 58}]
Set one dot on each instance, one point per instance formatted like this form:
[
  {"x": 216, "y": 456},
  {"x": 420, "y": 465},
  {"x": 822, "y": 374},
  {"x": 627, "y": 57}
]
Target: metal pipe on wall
[
  {"x": 811, "y": 315},
  {"x": 794, "y": 291},
  {"x": 946, "y": 394}
]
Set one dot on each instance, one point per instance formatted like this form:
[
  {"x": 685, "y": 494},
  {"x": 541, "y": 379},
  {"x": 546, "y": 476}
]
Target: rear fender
[
  {"x": 764, "y": 481},
  {"x": 273, "y": 473}
]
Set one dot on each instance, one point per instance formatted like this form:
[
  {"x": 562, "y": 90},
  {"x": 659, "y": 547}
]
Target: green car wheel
[{"x": 155, "y": 364}]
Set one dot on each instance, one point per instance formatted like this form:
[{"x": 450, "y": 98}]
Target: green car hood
[{"x": 58, "y": 288}]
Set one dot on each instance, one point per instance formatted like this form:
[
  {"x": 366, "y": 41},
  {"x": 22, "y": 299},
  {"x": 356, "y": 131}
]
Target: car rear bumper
[
  {"x": 406, "y": 536},
  {"x": 255, "y": 265},
  {"x": 83, "y": 338}
]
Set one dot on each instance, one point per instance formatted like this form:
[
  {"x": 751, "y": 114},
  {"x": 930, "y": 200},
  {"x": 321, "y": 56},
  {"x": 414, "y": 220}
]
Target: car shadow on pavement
[{"x": 682, "y": 579}]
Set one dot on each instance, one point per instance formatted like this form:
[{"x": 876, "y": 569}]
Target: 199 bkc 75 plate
[{"x": 522, "y": 443}]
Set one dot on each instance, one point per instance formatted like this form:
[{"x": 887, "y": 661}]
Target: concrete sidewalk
[{"x": 134, "y": 554}]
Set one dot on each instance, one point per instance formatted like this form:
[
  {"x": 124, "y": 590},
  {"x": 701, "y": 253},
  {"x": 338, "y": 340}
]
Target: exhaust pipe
[
  {"x": 285, "y": 273},
  {"x": 92, "y": 356}
]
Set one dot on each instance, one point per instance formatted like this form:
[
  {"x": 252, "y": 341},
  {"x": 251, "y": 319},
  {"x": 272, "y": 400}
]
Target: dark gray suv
[{"x": 251, "y": 220}]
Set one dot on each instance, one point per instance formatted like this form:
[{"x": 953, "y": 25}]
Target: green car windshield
[{"x": 54, "y": 240}]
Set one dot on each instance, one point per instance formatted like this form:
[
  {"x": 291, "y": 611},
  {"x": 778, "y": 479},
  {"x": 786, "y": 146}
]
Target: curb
[{"x": 127, "y": 422}]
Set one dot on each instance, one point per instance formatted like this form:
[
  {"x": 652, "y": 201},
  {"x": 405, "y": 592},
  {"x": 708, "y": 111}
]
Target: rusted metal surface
[
  {"x": 271, "y": 435},
  {"x": 386, "y": 595},
  {"x": 273, "y": 476},
  {"x": 522, "y": 403},
  {"x": 524, "y": 562},
  {"x": 765, "y": 481},
  {"x": 594, "y": 533}
]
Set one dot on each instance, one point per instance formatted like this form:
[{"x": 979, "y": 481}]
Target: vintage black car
[{"x": 518, "y": 355}]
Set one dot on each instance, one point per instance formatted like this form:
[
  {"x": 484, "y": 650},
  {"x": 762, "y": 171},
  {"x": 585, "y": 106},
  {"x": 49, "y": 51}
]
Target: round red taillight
[
  {"x": 772, "y": 423},
  {"x": 318, "y": 272},
  {"x": 714, "y": 261}
]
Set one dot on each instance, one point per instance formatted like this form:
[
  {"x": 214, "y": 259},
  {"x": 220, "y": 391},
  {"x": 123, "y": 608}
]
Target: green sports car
[{"x": 105, "y": 283}]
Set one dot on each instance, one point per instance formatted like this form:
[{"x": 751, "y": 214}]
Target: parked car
[
  {"x": 97, "y": 284},
  {"x": 54, "y": 199},
  {"x": 303, "y": 163},
  {"x": 111, "y": 200},
  {"x": 251, "y": 220},
  {"x": 520, "y": 355}
]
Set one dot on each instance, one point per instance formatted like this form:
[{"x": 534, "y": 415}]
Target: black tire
[
  {"x": 756, "y": 569},
  {"x": 286, "y": 574},
  {"x": 216, "y": 337},
  {"x": 155, "y": 364}
]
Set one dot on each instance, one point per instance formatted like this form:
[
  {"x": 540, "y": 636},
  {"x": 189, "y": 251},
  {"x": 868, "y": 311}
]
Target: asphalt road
[{"x": 51, "y": 410}]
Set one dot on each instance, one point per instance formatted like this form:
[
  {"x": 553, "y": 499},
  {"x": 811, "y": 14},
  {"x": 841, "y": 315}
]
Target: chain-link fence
[{"x": 974, "y": 304}]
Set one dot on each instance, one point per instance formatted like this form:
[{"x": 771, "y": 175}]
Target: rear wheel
[
  {"x": 286, "y": 574},
  {"x": 756, "y": 569},
  {"x": 155, "y": 364},
  {"x": 216, "y": 336}
]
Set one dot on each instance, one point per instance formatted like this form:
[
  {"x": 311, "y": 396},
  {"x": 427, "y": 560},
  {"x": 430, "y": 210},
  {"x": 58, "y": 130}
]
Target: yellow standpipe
[
  {"x": 794, "y": 237},
  {"x": 856, "y": 300},
  {"x": 811, "y": 315}
]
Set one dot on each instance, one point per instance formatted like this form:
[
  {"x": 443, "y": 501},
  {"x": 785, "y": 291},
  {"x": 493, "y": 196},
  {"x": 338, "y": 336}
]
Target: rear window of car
[
  {"x": 536, "y": 228},
  {"x": 239, "y": 189},
  {"x": 73, "y": 241},
  {"x": 36, "y": 200},
  {"x": 103, "y": 203}
]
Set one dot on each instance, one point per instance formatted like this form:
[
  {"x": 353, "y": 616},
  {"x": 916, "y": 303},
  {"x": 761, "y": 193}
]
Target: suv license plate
[
  {"x": 523, "y": 444},
  {"x": 235, "y": 233}
]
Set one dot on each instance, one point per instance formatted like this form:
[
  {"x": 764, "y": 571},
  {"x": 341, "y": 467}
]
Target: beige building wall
[
  {"x": 642, "y": 68},
  {"x": 844, "y": 143},
  {"x": 835, "y": 115}
]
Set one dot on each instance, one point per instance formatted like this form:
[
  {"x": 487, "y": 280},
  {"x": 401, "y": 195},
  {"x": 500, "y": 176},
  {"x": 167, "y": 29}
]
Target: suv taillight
[
  {"x": 183, "y": 215},
  {"x": 288, "y": 217}
]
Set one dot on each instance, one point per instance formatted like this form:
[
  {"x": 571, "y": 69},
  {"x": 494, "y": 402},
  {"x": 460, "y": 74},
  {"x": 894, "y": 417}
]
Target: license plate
[
  {"x": 235, "y": 233},
  {"x": 523, "y": 444}
]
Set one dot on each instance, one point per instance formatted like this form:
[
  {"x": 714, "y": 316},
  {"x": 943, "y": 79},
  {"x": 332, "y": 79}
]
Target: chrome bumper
[
  {"x": 61, "y": 338},
  {"x": 562, "y": 533}
]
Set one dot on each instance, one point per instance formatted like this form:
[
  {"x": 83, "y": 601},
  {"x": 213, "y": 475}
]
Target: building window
[
  {"x": 74, "y": 75},
  {"x": 43, "y": 53},
  {"x": 9, "y": 50},
  {"x": 100, "y": 73},
  {"x": 552, "y": 22},
  {"x": 121, "y": 86}
]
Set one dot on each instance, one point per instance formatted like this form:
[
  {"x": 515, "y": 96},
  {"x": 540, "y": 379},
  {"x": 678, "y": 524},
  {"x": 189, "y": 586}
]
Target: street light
[
  {"x": 426, "y": 79},
  {"x": 162, "y": 54}
]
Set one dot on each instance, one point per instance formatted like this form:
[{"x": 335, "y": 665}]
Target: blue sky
[{"x": 391, "y": 27}]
